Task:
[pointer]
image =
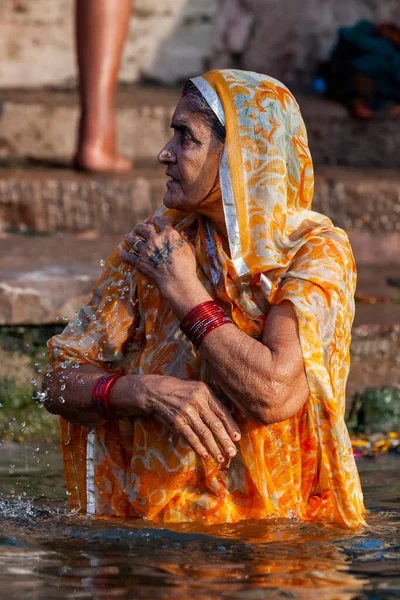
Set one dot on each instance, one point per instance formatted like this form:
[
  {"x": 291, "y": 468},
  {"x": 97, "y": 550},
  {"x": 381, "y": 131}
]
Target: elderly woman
[{"x": 205, "y": 380}]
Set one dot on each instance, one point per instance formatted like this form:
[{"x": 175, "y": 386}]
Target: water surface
[{"x": 47, "y": 553}]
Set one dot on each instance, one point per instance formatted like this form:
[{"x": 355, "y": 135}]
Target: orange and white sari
[{"x": 299, "y": 468}]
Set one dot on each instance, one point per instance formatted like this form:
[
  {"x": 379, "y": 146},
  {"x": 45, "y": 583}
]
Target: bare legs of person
[{"x": 101, "y": 29}]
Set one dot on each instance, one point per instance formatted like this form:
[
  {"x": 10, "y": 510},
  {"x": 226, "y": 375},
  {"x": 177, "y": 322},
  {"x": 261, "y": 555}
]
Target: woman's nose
[{"x": 167, "y": 155}]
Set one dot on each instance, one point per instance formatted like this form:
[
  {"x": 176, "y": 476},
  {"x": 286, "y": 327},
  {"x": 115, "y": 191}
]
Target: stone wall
[{"x": 168, "y": 40}]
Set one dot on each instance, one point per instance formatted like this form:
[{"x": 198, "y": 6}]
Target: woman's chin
[{"x": 171, "y": 200}]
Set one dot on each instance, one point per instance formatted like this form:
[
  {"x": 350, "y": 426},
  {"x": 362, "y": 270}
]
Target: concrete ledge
[
  {"x": 46, "y": 278},
  {"x": 42, "y": 200},
  {"x": 43, "y": 125}
]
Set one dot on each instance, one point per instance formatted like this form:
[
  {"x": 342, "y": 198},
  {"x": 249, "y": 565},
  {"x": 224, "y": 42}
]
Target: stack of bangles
[
  {"x": 101, "y": 396},
  {"x": 198, "y": 323},
  {"x": 203, "y": 319}
]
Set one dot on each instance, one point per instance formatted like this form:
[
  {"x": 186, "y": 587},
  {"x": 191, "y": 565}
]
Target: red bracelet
[
  {"x": 101, "y": 397},
  {"x": 203, "y": 319}
]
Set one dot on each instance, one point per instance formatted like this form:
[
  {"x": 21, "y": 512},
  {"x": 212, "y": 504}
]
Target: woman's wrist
[
  {"x": 184, "y": 295},
  {"x": 127, "y": 397}
]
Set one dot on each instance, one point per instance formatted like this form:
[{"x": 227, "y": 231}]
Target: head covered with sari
[{"x": 302, "y": 467}]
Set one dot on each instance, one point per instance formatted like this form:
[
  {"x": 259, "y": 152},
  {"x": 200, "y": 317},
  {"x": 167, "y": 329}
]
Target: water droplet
[
  {"x": 41, "y": 396},
  {"x": 33, "y": 381},
  {"x": 148, "y": 336},
  {"x": 61, "y": 399},
  {"x": 62, "y": 388},
  {"x": 102, "y": 263}
]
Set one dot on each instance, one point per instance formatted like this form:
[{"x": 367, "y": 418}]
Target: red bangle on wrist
[
  {"x": 203, "y": 319},
  {"x": 101, "y": 396}
]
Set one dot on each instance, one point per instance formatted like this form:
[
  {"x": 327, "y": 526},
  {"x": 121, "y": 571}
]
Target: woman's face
[{"x": 194, "y": 161}]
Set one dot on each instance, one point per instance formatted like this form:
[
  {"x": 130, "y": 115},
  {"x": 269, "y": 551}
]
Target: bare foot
[{"x": 91, "y": 159}]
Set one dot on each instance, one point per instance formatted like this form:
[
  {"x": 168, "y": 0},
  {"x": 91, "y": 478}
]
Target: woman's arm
[
  {"x": 188, "y": 407},
  {"x": 69, "y": 394},
  {"x": 266, "y": 379}
]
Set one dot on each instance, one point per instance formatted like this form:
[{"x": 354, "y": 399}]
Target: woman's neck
[
  {"x": 212, "y": 208},
  {"x": 217, "y": 217}
]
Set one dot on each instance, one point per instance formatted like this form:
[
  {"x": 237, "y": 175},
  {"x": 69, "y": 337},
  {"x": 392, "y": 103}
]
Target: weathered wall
[
  {"x": 168, "y": 40},
  {"x": 288, "y": 38},
  {"x": 171, "y": 39}
]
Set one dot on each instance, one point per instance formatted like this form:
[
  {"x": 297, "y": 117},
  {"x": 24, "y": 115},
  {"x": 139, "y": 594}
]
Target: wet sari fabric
[{"x": 278, "y": 247}]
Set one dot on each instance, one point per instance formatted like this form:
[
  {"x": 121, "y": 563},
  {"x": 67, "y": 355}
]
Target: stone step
[
  {"x": 42, "y": 200},
  {"x": 42, "y": 125},
  {"x": 44, "y": 278}
]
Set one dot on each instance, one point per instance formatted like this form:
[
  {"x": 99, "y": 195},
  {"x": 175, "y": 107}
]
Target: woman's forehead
[
  {"x": 183, "y": 111},
  {"x": 185, "y": 117}
]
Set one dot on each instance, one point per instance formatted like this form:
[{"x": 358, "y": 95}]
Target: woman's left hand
[{"x": 161, "y": 254}]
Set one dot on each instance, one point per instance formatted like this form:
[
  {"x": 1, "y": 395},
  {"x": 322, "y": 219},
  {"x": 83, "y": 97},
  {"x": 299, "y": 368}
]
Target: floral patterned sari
[{"x": 302, "y": 467}]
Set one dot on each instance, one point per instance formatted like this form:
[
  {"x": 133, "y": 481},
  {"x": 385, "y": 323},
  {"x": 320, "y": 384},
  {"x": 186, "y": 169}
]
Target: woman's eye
[{"x": 186, "y": 141}]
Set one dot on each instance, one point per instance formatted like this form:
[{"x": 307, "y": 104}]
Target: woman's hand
[
  {"x": 194, "y": 412},
  {"x": 161, "y": 254}
]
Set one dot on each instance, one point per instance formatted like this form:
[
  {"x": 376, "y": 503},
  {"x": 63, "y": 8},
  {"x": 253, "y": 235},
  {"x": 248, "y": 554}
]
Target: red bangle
[
  {"x": 203, "y": 319},
  {"x": 101, "y": 397}
]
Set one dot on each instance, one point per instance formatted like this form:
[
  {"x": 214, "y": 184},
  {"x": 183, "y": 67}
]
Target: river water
[{"x": 47, "y": 553}]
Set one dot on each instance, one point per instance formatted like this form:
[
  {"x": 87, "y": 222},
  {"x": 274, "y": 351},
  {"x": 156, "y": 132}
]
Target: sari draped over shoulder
[{"x": 302, "y": 467}]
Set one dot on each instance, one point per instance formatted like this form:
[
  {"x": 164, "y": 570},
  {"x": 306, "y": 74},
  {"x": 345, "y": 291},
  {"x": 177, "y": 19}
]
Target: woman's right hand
[{"x": 193, "y": 411}]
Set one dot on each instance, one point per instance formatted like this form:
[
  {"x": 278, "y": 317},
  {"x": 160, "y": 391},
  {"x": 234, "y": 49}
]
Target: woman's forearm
[
  {"x": 69, "y": 394},
  {"x": 187, "y": 407},
  {"x": 266, "y": 380},
  {"x": 244, "y": 369}
]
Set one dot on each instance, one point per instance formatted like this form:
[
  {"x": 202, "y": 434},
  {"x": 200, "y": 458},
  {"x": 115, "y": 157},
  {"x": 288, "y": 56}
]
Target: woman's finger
[
  {"x": 130, "y": 258},
  {"x": 225, "y": 415},
  {"x": 132, "y": 238},
  {"x": 193, "y": 440},
  {"x": 145, "y": 231},
  {"x": 220, "y": 435},
  {"x": 162, "y": 223},
  {"x": 209, "y": 440}
]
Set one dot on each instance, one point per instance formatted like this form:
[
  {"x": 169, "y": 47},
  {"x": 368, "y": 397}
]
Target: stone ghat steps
[
  {"x": 49, "y": 199},
  {"x": 42, "y": 125}
]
